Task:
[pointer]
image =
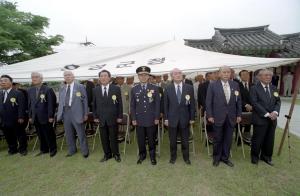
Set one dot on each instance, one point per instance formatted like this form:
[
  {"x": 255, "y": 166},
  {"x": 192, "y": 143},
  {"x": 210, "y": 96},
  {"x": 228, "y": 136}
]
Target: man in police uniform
[{"x": 145, "y": 111}]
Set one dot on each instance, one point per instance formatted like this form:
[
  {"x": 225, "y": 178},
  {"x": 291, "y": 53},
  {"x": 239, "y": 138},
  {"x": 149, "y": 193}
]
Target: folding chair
[
  {"x": 90, "y": 130},
  {"x": 246, "y": 120},
  {"x": 31, "y": 133},
  {"x": 208, "y": 137},
  {"x": 200, "y": 123},
  {"x": 162, "y": 126},
  {"x": 124, "y": 125},
  {"x": 191, "y": 139}
]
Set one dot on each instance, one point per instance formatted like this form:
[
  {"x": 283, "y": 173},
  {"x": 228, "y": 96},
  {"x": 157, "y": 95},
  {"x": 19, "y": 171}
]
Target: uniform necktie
[
  {"x": 225, "y": 88},
  {"x": 68, "y": 94},
  {"x": 178, "y": 93}
]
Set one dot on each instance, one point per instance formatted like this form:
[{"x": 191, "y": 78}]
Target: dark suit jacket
[
  {"x": 143, "y": 109},
  {"x": 218, "y": 108},
  {"x": 106, "y": 109},
  {"x": 11, "y": 111},
  {"x": 179, "y": 113},
  {"x": 161, "y": 95},
  {"x": 39, "y": 108},
  {"x": 262, "y": 105},
  {"x": 202, "y": 90},
  {"x": 187, "y": 81},
  {"x": 89, "y": 92},
  {"x": 245, "y": 95}
]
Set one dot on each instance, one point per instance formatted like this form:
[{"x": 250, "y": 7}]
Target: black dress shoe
[
  {"x": 105, "y": 158},
  {"x": 53, "y": 153},
  {"x": 216, "y": 163},
  {"x": 39, "y": 154},
  {"x": 23, "y": 153},
  {"x": 118, "y": 158},
  {"x": 229, "y": 163},
  {"x": 153, "y": 161},
  {"x": 172, "y": 161},
  {"x": 253, "y": 161},
  {"x": 69, "y": 155},
  {"x": 188, "y": 162},
  {"x": 86, "y": 155},
  {"x": 140, "y": 161},
  {"x": 269, "y": 162}
]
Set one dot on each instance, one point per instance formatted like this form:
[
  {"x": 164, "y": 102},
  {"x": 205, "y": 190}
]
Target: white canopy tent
[{"x": 122, "y": 61}]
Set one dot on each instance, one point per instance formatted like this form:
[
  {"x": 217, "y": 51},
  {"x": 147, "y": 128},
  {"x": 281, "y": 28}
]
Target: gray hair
[
  {"x": 68, "y": 72},
  {"x": 175, "y": 69},
  {"x": 225, "y": 67},
  {"x": 264, "y": 71},
  {"x": 37, "y": 74}
]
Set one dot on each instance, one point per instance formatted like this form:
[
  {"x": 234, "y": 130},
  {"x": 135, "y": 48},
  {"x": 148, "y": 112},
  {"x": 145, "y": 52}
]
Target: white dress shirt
[
  {"x": 71, "y": 92},
  {"x": 107, "y": 87},
  {"x": 228, "y": 88},
  {"x": 5, "y": 93}
]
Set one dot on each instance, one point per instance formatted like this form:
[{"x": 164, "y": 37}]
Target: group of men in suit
[{"x": 223, "y": 100}]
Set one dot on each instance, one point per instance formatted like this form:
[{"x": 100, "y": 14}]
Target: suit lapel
[
  {"x": 232, "y": 95},
  {"x": 41, "y": 91},
  {"x": 183, "y": 93},
  {"x": 74, "y": 92},
  {"x": 221, "y": 90},
  {"x": 173, "y": 91},
  {"x": 110, "y": 89},
  {"x": 263, "y": 92}
]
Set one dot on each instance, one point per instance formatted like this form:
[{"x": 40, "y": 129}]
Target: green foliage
[{"x": 22, "y": 35}]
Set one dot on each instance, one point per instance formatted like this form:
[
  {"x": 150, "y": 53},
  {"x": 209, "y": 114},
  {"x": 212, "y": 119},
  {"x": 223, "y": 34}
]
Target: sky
[{"x": 134, "y": 22}]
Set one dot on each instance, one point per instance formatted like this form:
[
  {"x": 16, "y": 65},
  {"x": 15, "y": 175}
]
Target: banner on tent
[{"x": 153, "y": 61}]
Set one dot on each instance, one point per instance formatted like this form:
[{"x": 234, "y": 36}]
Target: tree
[{"x": 22, "y": 35}]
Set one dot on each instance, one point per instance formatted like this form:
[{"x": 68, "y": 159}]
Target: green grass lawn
[{"x": 43, "y": 175}]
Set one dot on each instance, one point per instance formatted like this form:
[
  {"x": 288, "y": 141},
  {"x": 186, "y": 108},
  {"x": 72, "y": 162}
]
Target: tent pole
[{"x": 289, "y": 116}]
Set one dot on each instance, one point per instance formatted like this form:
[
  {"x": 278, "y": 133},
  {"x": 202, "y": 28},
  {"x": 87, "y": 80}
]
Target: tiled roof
[{"x": 249, "y": 39}]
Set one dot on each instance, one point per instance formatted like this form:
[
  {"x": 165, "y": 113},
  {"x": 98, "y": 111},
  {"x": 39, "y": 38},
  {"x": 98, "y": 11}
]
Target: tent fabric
[{"x": 161, "y": 57}]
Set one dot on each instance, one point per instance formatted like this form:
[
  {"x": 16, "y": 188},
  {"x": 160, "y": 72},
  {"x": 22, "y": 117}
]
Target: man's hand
[
  {"x": 20, "y": 120},
  {"x": 273, "y": 116},
  {"x": 156, "y": 122},
  {"x": 51, "y": 120},
  {"x": 96, "y": 120},
  {"x": 134, "y": 123},
  {"x": 192, "y": 122},
  {"x": 248, "y": 107},
  {"x": 119, "y": 120},
  {"x": 30, "y": 120},
  {"x": 238, "y": 119},
  {"x": 166, "y": 123},
  {"x": 211, "y": 120}
]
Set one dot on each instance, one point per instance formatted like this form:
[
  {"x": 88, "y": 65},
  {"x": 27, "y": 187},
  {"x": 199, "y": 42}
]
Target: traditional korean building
[{"x": 254, "y": 41}]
